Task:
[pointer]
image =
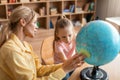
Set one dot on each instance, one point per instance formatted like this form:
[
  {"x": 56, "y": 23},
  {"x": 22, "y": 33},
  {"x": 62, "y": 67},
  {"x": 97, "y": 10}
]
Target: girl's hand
[{"x": 73, "y": 62}]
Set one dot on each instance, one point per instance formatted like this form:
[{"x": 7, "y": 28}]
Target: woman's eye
[{"x": 35, "y": 22}]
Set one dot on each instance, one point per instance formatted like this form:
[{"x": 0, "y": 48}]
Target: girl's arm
[{"x": 61, "y": 55}]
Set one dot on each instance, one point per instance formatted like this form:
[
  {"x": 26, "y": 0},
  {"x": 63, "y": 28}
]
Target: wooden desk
[
  {"x": 115, "y": 21},
  {"x": 112, "y": 69}
]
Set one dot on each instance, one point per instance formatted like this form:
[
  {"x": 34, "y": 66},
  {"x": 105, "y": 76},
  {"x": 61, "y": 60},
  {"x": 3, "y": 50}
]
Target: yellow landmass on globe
[{"x": 85, "y": 52}]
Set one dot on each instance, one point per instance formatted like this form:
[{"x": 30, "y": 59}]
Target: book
[
  {"x": 11, "y": 1},
  {"x": 3, "y": 1},
  {"x": 79, "y": 10},
  {"x": 72, "y": 8},
  {"x": 24, "y": 1},
  {"x": 51, "y": 24},
  {"x": 91, "y": 6},
  {"x": 53, "y": 11},
  {"x": 42, "y": 11},
  {"x": 86, "y": 8}
]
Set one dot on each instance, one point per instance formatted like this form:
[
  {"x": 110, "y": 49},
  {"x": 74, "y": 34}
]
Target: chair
[{"x": 47, "y": 51}]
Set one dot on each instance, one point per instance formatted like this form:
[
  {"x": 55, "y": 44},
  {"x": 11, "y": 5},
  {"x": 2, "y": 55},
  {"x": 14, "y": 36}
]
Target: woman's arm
[
  {"x": 74, "y": 62},
  {"x": 17, "y": 67},
  {"x": 59, "y": 74}
]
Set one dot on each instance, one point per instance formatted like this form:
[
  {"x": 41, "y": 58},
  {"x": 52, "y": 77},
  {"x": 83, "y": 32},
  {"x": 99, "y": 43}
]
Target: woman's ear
[{"x": 22, "y": 22}]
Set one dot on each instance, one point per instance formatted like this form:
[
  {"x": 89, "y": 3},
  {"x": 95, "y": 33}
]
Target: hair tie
[{"x": 63, "y": 16}]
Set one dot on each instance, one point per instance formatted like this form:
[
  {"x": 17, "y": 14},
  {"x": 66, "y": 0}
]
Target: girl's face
[
  {"x": 66, "y": 34},
  {"x": 31, "y": 28}
]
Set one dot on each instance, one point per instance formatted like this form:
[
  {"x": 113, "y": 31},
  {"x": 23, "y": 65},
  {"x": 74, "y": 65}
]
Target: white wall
[{"x": 108, "y": 8}]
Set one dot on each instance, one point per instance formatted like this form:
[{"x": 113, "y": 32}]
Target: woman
[{"x": 17, "y": 59}]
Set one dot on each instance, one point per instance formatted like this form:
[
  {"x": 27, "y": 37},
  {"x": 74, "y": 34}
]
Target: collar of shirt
[{"x": 24, "y": 47}]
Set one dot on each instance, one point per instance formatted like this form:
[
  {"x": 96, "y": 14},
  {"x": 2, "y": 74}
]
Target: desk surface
[
  {"x": 112, "y": 69},
  {"x": 115, "y": 20}
]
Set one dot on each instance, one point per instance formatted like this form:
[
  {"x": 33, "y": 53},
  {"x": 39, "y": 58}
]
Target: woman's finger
[{"x": 79, "y": 65}]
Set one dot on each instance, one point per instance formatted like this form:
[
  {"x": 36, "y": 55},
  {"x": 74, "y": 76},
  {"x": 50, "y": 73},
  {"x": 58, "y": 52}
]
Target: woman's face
[
  {"x": 31, "y": 28},
  {"x": 66, "y": 34}
]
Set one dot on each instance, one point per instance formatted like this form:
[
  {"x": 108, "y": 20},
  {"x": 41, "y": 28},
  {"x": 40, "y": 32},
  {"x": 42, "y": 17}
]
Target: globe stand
[{"x": 93, "y": 73}]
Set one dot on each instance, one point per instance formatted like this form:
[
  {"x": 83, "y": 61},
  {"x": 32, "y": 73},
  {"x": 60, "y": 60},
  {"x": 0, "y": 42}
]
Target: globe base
[{"x": 93, "y": 73}]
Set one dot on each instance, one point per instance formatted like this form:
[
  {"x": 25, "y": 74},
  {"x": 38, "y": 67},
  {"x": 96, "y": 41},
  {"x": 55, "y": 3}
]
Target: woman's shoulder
[
  {"x": 9, "y": 46},
  {"x": 8, "y": 49}
]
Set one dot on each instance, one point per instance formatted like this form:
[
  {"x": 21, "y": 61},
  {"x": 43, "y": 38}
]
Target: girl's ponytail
[{"x": 61, "y": 17}]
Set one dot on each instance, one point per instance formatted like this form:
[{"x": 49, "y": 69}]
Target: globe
[{"x": 99, "y": 41}]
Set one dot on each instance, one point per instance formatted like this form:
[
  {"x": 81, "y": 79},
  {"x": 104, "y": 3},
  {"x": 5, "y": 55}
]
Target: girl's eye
[
  {"x": 63, "y": 37},
  {"x": 70, "y": 35}
]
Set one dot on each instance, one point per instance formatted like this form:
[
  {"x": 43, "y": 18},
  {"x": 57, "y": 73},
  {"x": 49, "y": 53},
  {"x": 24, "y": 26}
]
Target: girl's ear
[{"x": 22, "y": 22}]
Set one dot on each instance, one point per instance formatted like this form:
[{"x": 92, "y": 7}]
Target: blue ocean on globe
[{"x": 100, "y": 41}]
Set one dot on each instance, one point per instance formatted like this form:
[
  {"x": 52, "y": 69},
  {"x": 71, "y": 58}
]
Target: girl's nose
[{"x": 68, "y": 40}]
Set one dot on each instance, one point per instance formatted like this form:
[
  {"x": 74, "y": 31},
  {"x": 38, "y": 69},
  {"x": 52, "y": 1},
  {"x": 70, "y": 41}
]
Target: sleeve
[
  {"x": 17, "y": 65},
  {"x": 48, "y": 72},
  {"x": 56, "y": 75},
  {"x": 45, "y": 70}
]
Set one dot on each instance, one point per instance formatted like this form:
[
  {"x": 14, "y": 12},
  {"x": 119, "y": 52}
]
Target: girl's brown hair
[
  {"x": 62, "y": 22},
  {"x": 17, "y": 14}
]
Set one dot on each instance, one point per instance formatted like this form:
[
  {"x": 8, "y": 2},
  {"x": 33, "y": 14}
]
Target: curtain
[{"x": 108, "y": 8}]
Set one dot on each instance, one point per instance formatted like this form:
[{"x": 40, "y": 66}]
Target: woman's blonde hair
[{"x": 17, "y": 14}]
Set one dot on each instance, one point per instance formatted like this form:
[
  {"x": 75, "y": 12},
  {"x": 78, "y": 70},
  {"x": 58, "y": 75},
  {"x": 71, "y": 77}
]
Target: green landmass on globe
[{"x": 85, "y": 52}]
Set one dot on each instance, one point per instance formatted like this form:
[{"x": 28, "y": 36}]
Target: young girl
[
  {"x": 64, "y": 42},
  {"x": 17, "y": 58}
]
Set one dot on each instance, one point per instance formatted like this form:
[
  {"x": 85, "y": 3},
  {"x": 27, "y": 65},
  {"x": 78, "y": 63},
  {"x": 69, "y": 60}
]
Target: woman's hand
[{"x": 73, "y": 62}]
